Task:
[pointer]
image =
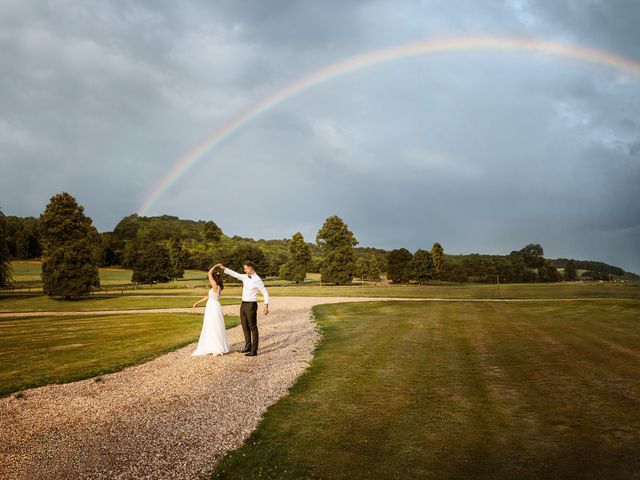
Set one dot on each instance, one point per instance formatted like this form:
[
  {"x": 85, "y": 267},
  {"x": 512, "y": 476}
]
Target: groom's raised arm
[{"x": 233, "y": 274}]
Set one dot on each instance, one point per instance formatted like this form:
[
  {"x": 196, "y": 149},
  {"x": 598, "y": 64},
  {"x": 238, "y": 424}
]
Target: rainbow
[{"x": 359, "y": 62}]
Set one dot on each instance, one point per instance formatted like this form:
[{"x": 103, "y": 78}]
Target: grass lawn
[
  {"x": 28, "y": 272},
  {"x": 195, "y": 283},
  {"x": 43, "y": 303},
  {"x": 43, "y": 350},
  {"x": 530, "y": 290},
  {"x": 470, "y": 290},
  {"x": 122, "y": 276},
  {"x": 459, "y": 390}
]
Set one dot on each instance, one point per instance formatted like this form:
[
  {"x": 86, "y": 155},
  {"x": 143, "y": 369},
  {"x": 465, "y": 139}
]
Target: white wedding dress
[{"x": 213, "y": 337}]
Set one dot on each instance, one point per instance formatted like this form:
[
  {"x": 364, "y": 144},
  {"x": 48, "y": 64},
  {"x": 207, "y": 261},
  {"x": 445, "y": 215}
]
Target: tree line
[{"x": 160, "y": 249}]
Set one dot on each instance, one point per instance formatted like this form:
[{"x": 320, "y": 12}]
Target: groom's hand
[{"x": 266, "y": 310}]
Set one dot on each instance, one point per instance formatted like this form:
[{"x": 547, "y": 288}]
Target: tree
[
  {"x": 152, "y": 264},
  {"x": 547, "y": 272},
  {"x": 360, "y": 268},
  {"x": 518, "y": 267},
  {"x": 299, "y": 249},
  {"x": 399, "y": 265},
  {"x": 178, "y": 258},
  {"x": 296, "y": 268},
  {"x": 533, "y": 255},
  {"x": 373, "y": 272},
  {"x": 275, "y": 261},
  {"x": 292, "y": 272},
  {"x": 27, "y": 242},
  {"x": 437, "y": 255},
  {"x": 212, "y": 232},
  {"x": 570, "y": 271},
  {"x": 285, "y": 271},
  {"x": 107, "y": 255},
  {"x": 422, "y": 266},
  {"x": 241, "y": 253},
  {"x": 5, "y": 257},
  {"x": 504, "y": 269},
  {"x": 453, "y": 272},
  {"x": 336, "y": 242},
  {"x": 69, "y": 267},
  {"x": 129, "y": 253}
]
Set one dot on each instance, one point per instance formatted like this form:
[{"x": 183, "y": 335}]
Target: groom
[{"x": 251, "y": 285}]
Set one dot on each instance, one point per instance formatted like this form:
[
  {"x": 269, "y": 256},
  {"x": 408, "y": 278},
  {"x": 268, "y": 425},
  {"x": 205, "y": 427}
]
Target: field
[
  {"x": 27, "y": 272},
  {"x": 459, "y": 390},
  {"x": 116, "y": 281},
  {"x": 533, "y": 291},
  {"x": 42, "y": 303},
  {"x": 546, "y": 387},
  {"x": 42, "y": 350}
]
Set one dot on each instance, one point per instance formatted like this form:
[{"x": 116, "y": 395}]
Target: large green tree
[
  {"x": 23, "y": 237},
  {"x": 5, "y": 256},
  {"x": 152, "y": 264},
  {"x": 178, "y": 258},
  {"x": 27, "y": 240},
  {"x": 240, "y": 254},
  {"x": 69, "y": 267},
  {"x": 547, "y": 272},
  {"x": 533, "y": 255},
  {"x": 108, "y": 250},
  {"x": 296, "y": 268},
  {"x": 422, "y": 266},
  {"x": 373, "y": 272},
  {"x": 360, "y": 268},
  {"x": 399, "y": 265},
  {"x": 437, "y": 255},
  {"x": 453, "y": 272},
  {"x": 276, "y": 260},
  {"x": 336, "y": 242}
]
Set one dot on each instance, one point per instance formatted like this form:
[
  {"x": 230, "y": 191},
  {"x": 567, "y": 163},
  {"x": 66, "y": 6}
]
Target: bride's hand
[{"x": 194, "y": 305}]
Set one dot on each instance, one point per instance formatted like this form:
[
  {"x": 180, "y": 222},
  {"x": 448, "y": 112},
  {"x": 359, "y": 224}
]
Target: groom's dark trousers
[{"x": 249, "y": 320}]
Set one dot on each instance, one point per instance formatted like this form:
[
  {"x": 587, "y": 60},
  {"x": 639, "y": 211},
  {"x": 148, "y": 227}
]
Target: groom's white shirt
[{"x": 250, "y": 286}]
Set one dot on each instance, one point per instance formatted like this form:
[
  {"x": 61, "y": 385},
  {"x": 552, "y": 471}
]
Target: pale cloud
[{"x": 437, "y": 162}]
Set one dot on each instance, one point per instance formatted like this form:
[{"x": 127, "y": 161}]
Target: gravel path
[{"x": 170, "y": 418}]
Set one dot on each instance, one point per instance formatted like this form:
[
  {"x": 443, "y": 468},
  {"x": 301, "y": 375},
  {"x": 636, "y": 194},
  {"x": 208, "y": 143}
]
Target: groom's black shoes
[
  {"x": 244, "y": 350},
  {"x": 251, "y": 354}
]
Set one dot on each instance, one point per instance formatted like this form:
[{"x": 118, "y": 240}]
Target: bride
[{"x": 213, "y": 337}]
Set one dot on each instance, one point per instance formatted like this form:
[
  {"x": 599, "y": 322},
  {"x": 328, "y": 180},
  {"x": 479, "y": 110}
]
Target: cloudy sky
[{"x": 483, "y": 151}]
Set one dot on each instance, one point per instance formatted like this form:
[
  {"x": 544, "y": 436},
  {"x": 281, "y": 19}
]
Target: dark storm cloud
[{"x": 481, "y": 151}]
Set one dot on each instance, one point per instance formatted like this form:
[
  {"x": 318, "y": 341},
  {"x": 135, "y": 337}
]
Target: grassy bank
[
  {"x": 42, "y": 303},
  {"x": 43, "y": 350},
  {"x": 459, "y": 390}
]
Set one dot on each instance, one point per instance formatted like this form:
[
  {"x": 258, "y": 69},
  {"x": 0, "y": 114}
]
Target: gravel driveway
[{"x": 170, "y": 418}]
